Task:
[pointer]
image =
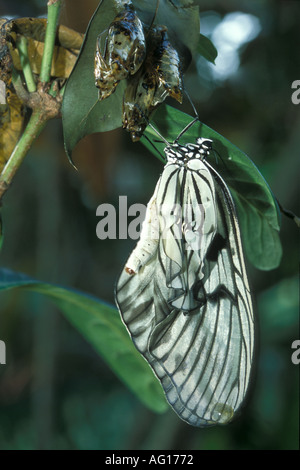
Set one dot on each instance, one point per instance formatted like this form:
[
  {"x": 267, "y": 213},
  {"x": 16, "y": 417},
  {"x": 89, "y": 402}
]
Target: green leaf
[
  {"x": 82, "y": 113},
  {"x": 181, "y": 17},
  {"x": 101, "y": 326},
  {"x": 256, "y": 207},
  {"x": 207, "y": 49}
]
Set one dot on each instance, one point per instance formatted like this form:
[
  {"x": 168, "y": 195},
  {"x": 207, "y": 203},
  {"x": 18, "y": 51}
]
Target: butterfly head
[
  {"x": 175, "y": 153},
  {"x": 181, "y": 154}
]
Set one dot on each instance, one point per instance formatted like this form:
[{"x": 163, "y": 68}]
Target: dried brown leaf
[
  {"x": 35, "y": 28},
  {"x": 62, "y": 63},
  {"x": 11, "y": 123}
]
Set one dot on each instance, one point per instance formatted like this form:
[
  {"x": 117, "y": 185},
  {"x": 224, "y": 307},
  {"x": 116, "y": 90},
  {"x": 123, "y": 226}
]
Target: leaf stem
[
  {"x": 53, "y": 12},
  {"x": 25, "y": 64}
]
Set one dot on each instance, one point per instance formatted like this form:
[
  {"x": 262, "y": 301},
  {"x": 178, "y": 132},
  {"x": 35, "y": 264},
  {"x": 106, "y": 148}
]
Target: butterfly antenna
[
  {"x": 163, "y": 158},
  {"x": 192, "y": 104},
  {"x": 159, "y": 134},
  {"x": 185, "y": 129},
  {"x": 188, "y": 126}
]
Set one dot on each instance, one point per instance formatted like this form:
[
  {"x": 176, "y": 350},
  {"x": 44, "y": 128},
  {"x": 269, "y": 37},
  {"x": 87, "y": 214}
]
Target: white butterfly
[{"x": 184, "y": 295}]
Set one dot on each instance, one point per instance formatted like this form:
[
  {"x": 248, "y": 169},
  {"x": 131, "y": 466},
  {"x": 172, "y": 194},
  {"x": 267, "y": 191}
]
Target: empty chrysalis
[
  {"x": 159, "y": 77},
  {"x": 124, "y": 51}
]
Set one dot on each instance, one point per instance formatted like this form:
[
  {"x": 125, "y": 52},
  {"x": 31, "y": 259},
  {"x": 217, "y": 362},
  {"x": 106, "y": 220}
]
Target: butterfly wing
[{"x": 188, "y": 307}]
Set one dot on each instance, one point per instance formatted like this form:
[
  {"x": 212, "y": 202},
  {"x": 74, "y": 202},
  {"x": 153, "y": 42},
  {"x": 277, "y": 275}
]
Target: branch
[
  {"x": 25, "y": 64},
  {"x": 44, "y": 107},
  {"x": 33, "y": 129},
  {"x": 44, "y": 100},
  {"x": 53, "y": 12}
]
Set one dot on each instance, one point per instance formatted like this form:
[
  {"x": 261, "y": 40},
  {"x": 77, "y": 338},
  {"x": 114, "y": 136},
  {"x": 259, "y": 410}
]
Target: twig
[
  {"x": 44, "y": 107},
  {"x": 25, "y": 64},
  {"x": 33, "y": 129},
  {"x": 44, "y": 104},
  {"x": 53, "y": 12}
]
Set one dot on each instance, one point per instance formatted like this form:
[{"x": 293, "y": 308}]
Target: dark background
[{"x": 55, "y": 391}]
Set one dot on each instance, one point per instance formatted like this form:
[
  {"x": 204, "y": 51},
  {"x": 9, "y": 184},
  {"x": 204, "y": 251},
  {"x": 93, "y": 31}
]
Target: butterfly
[{"x": 184, "y": 294}]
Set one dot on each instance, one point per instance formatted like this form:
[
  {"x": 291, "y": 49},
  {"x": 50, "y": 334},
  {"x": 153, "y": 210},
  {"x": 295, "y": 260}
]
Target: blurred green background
[{"x": 55, "y": 391}]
